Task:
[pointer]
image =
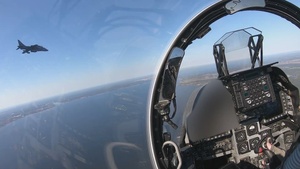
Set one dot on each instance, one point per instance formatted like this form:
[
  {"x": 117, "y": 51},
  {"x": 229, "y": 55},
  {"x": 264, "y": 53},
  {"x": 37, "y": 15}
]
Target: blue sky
[
  {"x": 105, "y": 41},
  {"x": 89, "y": 44},
  {"x": 280, "y": 36}
]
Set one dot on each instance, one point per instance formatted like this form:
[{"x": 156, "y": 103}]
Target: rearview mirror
[
  {"x": 171, "y": 73},
  {"x": 168, "y": 86}
]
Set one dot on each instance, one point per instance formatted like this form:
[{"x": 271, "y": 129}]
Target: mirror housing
[
  {"x": 169, "y": 78},
  {"x": 168, "y": 85}
]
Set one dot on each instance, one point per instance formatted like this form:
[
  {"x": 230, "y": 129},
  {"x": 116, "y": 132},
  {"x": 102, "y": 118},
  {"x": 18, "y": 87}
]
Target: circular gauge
[
  {"x": 253, "y": 143},
  {"x": 240, "y": 136},
  {"x": 265, "y": 133},
  {"x": 243, "y": 148},
  {"x": 289, "y": 138},
  {"x": 252, "y": 129}
]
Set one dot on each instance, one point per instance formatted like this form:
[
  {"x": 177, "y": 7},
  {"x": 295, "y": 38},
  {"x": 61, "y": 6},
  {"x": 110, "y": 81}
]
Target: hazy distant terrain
[
  {"x": 290, "y": 64},
  {"x": 198, "y": 76},
  {"x": 293, "y": 72}
]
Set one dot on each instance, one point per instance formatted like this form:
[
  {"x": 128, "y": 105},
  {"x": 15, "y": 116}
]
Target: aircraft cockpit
[{"x": 232, "y": 120}]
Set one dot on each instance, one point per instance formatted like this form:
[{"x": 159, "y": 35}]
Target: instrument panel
[
  {"x": 252, "y": 90},
  {"x": 264, "y": 110}
]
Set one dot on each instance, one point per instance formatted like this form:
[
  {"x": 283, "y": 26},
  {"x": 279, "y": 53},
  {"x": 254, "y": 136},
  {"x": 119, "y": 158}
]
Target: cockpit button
[{"x": 249, "y": 101}]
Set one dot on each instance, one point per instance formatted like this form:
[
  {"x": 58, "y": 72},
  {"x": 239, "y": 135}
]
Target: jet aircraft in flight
[{"x": 32, "y": 48}]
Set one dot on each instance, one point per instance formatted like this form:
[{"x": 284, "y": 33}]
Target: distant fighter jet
[{"x": 32, "y": 48}]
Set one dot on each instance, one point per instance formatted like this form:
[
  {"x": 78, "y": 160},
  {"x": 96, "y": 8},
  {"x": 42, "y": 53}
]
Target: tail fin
[{"x": 21, "y": 45}]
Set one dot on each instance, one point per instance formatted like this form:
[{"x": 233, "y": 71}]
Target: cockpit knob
[{"x": 249, "y": 101}]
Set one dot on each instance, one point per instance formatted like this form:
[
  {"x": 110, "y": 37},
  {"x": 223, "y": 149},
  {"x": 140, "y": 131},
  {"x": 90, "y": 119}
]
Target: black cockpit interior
[
  {"x": 229, "y": 122},
  {"x": 265, "y": 105},
  {"x": 243, "y": 110}
]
